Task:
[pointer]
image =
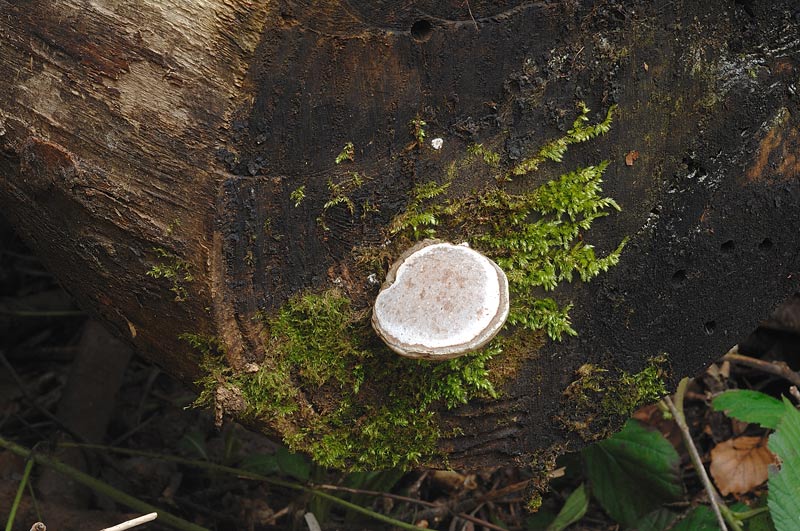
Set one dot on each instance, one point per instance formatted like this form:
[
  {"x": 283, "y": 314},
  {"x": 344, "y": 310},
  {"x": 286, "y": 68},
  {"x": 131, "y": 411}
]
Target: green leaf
[
  {"x": 294, "y": 465},
  {"x": 633, "y": 472},
  {"x": 264, "y": 464},
  {"x": 573, "y": 510},
  {"x": 784, "y": 486},
  {"x": 750, "y": 406},
  {"x": 658, "y": 520},
  {"x": 701, "y": 518}
]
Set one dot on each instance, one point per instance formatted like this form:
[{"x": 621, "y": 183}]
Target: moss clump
[
  {"x": 333, "y": 390},
  {"x": 212, "y": 365},
  {"x": 536, "y": 237},
  {"x": 633, "y": 390},
  {"x": 596, "y": 399},
  {"x": 174, "y": 269},
  {"x": 340, "y": 195},
  {"x": 360, "y": 405},
  {"x": 581, "y": 131}
]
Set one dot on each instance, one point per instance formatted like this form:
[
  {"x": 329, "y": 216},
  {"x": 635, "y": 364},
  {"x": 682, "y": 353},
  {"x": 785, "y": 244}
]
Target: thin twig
[
  {"x": 472, "y": 16},
  {"x": 778, "y": 368},
  {"x": 680, "y": 420},
  {"x": 132, "y": 523}
]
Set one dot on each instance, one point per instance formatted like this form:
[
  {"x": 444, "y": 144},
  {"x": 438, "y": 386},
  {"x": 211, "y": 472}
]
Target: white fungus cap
[{"x": 440, "y": 301}]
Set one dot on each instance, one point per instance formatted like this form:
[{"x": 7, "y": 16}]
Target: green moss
[
  {"x": 315, "y": 335},
  {"x": 597, "y": 398},
  {"x": 321, "y": 351},
  {"x": 489, "y": 157},
  {"x": 555, "y": 150},
  {"x": 630, "y": 391},
  {"x": 297, "y": 195},
  {"x": 175, "y": 269},
  {"x": 536, "y": 237},
  {"x": 334, "y": 391},
  {"x": 348, "y": 153},
  {"x": 340, "y": 195},
  {"x": 542, "y": 463},
  {"x": 212, "y": 364},
  {"x": 417, "y": 126}
]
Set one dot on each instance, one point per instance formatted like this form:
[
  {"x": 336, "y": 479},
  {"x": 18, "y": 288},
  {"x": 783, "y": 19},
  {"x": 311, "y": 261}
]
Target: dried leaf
[
  {"x": 631, "y": 157},
  {"x": 741, "y": 464}
]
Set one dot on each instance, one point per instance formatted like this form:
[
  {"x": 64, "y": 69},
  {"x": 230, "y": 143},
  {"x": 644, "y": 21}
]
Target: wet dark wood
[{"x": 186, "y": 126}]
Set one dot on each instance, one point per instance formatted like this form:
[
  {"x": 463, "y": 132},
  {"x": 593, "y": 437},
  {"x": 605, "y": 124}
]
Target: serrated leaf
[
  {"x": 573, "y": 510},
  {"x": 294, "y": 465},
  {"x": 750, "y": 406},
  {"x": 633, "y": 472},
  {"x": 264, "y": 464},
  {"x": 784, "y": 486}
]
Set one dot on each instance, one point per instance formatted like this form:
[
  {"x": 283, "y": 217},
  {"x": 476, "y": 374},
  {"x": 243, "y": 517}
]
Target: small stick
[
  {"x": 133, "y": 523},
  {"x": 778, "y": 368},
  {"x": 680, "y": 420},
  {"x": 472, "y": 16}
]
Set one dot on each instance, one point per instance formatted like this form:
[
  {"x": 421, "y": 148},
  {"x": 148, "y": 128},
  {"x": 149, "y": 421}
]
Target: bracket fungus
[{"x": 440, "y": 301}]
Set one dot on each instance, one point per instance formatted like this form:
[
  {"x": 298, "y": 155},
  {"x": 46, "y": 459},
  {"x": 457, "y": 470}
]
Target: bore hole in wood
[
  {"x": 727, "y": 247},
  {"x": 679, "y": 277},
  {"x": 765, "y": 245},
  {"x": 421, "y": 30}
]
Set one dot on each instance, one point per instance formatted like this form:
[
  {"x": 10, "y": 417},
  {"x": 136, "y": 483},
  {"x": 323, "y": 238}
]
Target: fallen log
[{"x": 225, "y": 184}]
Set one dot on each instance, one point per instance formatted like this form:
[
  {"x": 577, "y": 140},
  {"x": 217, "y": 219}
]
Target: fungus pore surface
[{"x": 440, "y": 301}]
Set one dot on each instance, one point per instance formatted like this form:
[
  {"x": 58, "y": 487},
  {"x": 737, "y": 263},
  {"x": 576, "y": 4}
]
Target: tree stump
[{"x": 226, "y": 183}]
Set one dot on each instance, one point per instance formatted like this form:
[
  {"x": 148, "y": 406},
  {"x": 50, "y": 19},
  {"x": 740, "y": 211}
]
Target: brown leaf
[
  {"x": 738, "y": 465},
  {"x": 631, "y": 157}
]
